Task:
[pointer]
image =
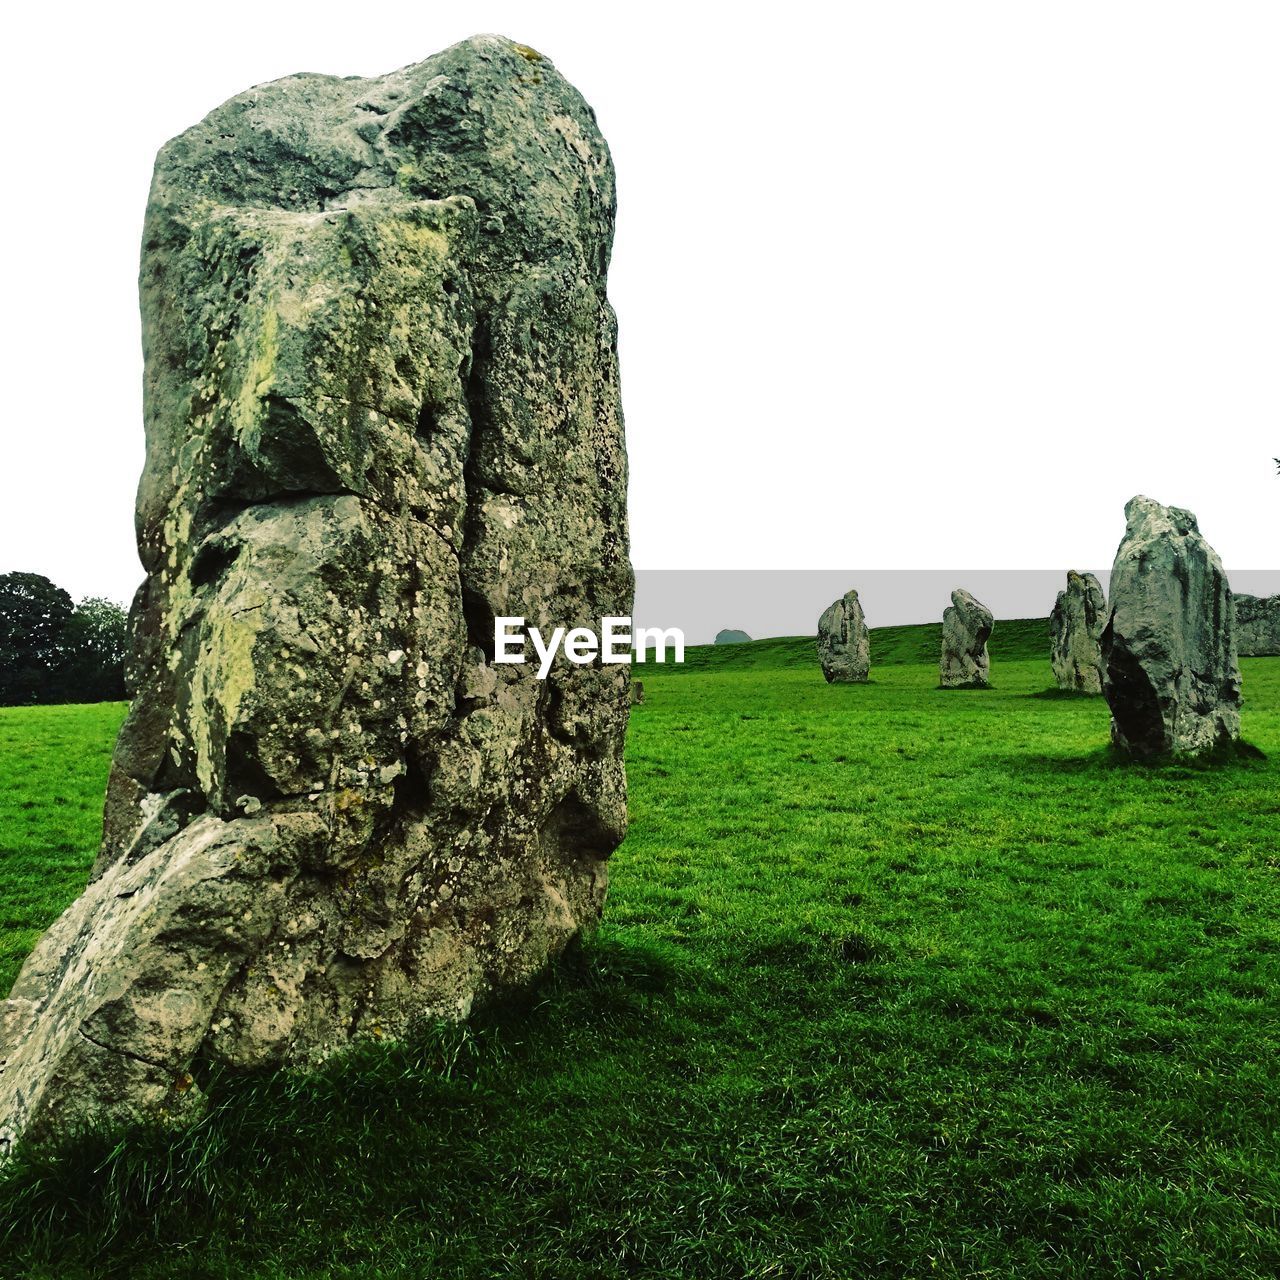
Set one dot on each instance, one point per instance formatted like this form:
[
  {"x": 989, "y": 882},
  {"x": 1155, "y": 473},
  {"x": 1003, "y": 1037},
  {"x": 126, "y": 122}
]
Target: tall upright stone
[
  {"x": 966, "y": 626},
  {"x": 844, "y": 644},
  {"x": 1168, "y": 648},
  {"x": 1257, "y": 626},
  {"x": 381, "y": 409},
  {"x": 1075, "y": 631}
]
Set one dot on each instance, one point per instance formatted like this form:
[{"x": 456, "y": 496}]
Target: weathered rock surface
[
  {"x": 1168, "y": 648},
  {"x": 966, "y": 627},
  {"x": 1075, "y": 630},
  {"x": 381, "y": 408},
  {"x": 1257, "y": 626},
  {"x": 729, "y": 636},
  {"x": 844, "y": 644}
]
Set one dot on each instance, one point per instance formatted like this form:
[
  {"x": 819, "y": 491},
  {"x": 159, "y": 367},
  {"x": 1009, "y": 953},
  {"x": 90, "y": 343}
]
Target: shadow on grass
[
  {"x": 356, "y": 1122},
  {"x": 1055, "y": 694},
  {"x": 1108, "y": 760}
]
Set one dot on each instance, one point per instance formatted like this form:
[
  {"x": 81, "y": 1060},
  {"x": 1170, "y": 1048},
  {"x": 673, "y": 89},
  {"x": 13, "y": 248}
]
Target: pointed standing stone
[
  {"x": 844, "y": 644},
  {"x": 1075, "y": 628},
  {"x": 966, "y": 627}
]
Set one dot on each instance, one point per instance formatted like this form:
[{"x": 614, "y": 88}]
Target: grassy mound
[{"x": 1017, "y": 639}]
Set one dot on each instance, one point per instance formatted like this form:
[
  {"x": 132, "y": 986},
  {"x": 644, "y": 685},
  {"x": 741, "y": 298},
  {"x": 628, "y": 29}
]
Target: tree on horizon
[{"x": 53, "y": 650}]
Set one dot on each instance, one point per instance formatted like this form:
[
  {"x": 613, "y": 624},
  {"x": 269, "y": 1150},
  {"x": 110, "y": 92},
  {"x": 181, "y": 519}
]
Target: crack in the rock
[
  {"x": 225, "y": 511},
  {"x": 125, "y": 1053}
]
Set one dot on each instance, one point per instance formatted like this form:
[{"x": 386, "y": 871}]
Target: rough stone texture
[
  {"x": 729, "y": 636},
  {"x": 381, "y": 407},
  {"x": 1168, "y": 647},
  {"x": 1257, "y": 626},
  {"x": 966, "y": 626},
  {"x": 1075, "y": 630},
  {"x": 844, "y": 644}
]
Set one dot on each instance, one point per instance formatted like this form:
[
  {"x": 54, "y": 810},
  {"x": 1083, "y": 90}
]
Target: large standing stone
[
  {"x": 844, "y": 644},
  {"x": 966, "y": 627},
  {"x": 381, "y": 408},
  {"x": 1075, "y": 630},
  {"x": 1257, "y": 626},
  {"x": 1168, "y": 648}
]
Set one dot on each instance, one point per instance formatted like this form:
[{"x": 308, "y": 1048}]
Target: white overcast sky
[{"x": 900, "y": 285}]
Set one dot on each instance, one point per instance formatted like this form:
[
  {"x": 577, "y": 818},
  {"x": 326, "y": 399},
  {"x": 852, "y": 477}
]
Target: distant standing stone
[
  {"x": 1075, "y": 628},
  {"x": 1168, "y": 648},
  {"x": 637, "y": 691},
  {"x": 1257, "y": 626},
  {"x": 730, "y": 636},
  {"x": 966, "y": 626},
  {"x": 844, "y": 645}
]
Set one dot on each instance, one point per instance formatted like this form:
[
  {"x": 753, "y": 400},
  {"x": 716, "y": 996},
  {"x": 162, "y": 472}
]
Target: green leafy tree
[
  {"x": 54, "y": 651},
  {"x": 95, "y": 651},
  {"x": 34, "y": 617}
]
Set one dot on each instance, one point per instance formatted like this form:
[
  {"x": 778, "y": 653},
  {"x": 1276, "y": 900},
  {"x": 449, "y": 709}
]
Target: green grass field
[{"x": 892, "y": 982}]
